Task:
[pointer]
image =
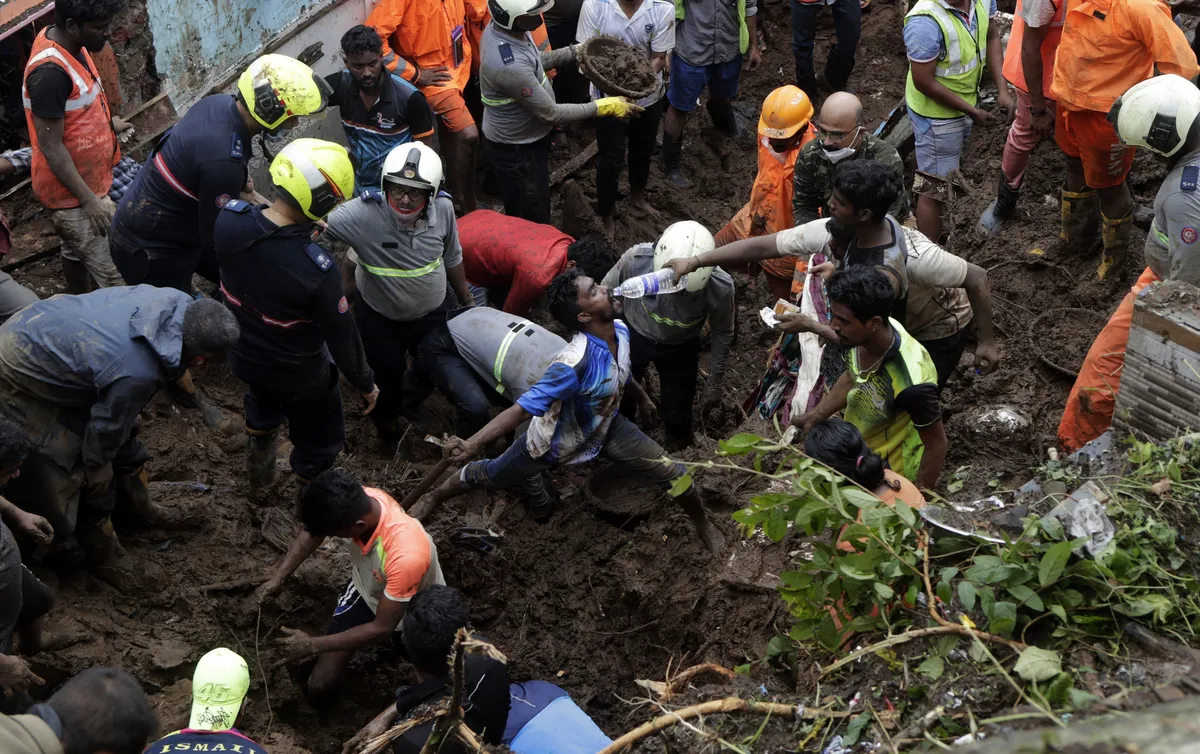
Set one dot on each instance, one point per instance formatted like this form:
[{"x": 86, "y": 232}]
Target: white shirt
[{"x": 652, "y": 29}]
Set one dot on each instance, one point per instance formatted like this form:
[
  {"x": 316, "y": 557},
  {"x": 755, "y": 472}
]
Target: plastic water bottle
[{"x": 650, "y": 284}]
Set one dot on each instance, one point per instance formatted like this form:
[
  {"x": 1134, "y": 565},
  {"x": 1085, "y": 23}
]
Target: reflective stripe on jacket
[
  {"x": 961, "y": 66},
  {"x": 87, "y": 127}
]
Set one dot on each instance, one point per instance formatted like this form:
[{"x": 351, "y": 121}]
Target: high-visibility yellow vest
[
  {"x": 743, "y": 30},
  {"x": 961, "y": 68}
]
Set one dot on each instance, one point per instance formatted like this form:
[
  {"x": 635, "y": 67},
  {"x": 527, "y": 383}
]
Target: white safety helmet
[
  {"x": 414, "y": 165},
  {"x": 683, "y": 240},
  {"x": 505, "y": 12},
  {"x": 1156, "y": 114}
]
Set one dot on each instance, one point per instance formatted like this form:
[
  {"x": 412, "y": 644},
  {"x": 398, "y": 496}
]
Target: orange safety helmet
[{"x": 785, "y": 111}]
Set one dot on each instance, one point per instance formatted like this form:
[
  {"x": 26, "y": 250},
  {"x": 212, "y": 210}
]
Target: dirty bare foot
[
  {"x": 719, "y": 144},
  {"x": 640, "y": 206}
]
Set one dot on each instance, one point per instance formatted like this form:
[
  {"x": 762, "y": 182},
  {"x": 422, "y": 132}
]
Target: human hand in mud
[
  {"x": 295, "y": 644},
  {"x": 980, "y": 117},
  {"x": 370, "y": 398},
  {"x": 369, "y": 732},
  {"x": 33, "y": 525},
  {"x": 434, "y": 76},
  {"x": 100, "y": 211},
  {"x": 98, "y": 479},
  {"x": 987, "y": 358},
  {"x": 267, "y": 591},
  {"x": 753, "y": 58},
  {"x": 457, "y": 449},
  {"x": 804, "y": 422},
  {"x": 1006, "y": 102},
  {"x": 16, "y": 675}
]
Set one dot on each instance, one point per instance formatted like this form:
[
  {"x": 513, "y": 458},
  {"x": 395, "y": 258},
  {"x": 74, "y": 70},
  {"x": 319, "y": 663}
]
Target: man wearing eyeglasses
[{"x": 841, "y": 135}]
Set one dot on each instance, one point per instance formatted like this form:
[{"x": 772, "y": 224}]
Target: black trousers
[
  {"x": 315, "y": 417},
  {"x": 454, "y": 378},
  {"x": 611, "y": 137},
  {"x": 678, "y": 366},
  {"x": 524, "y": 174},
  {"x": 388, "y": 343},
  {"x": 847, "y": 22},
  {"x": 946, "y": 353},
  {"x": 174, "y": 271}
]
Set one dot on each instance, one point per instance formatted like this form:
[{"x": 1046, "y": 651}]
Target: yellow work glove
[{"x": 616, "y": 107}]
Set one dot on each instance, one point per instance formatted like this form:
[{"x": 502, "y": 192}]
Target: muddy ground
[{"x": 613, "y": 588}]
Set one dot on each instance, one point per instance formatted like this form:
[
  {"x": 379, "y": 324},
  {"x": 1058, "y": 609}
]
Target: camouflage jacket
[{"x": 814, "y": 179}]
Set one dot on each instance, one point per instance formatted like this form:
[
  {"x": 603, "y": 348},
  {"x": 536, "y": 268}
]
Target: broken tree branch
[
  {"x": 730, "y": 704},
  {"x": 673, "y": 685},
  {"x": 573, "y": 164}
]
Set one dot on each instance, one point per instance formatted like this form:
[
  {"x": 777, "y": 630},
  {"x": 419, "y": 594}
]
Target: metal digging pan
[{"x": 601, "y": 47}]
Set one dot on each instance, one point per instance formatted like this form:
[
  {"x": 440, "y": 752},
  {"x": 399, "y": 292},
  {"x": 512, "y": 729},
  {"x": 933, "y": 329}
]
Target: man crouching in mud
[
  {"x": 75, "y": 372},
  {"x": 574, "y": 410}
]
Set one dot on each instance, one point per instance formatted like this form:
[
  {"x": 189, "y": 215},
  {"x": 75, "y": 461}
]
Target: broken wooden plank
[{"x": 573, "y": 164}]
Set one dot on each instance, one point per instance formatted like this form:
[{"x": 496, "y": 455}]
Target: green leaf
[
  {"x": 1053, "y": 563},
  {"x": 743, "y": 669},
  {"x": 943, "y": 592},
  {"x": 681, "y": 485},
  {"x": 860, "y": 499},
  {"x": 932, "y": 668},
  {"x": 1004, "y": 618},
  {"x": 1058, "y": 693},
  {"x": 883, "y": 591},
  {"x": 1053, "y": 528},
  {"x": 1158, "y": 604},
  {"x": 910, "y": 597},
  {"x": 775, "y": 527},
  {"x": 855, "y": 729},
  {"x": 1059, "y": 612},
  {"x": 777, "y": 646},
  {"x": 740, "y": 444},
  {"x": 966, "y": 595},
  {"x": 851, "y": 572},
  {"x": 947, "y": 574},
  {"x": 978, "y": 652},
  {"x": 1037, "y": 664},
  {"x": 905, "y": 512},
  {"x": 1027, "y": 597}
]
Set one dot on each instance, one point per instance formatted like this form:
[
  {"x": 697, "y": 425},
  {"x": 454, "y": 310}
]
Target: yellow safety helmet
[
  {"x": 317, "y": 174},
  {"x": 785, "y": 111},
  {"x": 276, "y": 87}
]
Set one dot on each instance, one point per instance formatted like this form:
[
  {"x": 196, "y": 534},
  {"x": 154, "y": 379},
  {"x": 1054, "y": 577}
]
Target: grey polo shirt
[
  {"x": 709, "y": 31},
  {"x": 401, "y": 270},
  {"x": 509, "y": 353},
  {"x": 674, "y": 318},
  {"x": 1173, "y": 243},
  {"x": 518, "y": 100}
]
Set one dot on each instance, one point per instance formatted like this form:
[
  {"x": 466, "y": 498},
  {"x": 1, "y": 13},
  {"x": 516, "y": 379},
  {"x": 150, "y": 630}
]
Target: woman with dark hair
[{"x": 839, "y": 445}]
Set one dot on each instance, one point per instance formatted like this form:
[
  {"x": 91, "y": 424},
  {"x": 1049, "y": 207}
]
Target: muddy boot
[
  {"x": 1000, "y": 210},
  {"x": 135, "y": 506},
  {"x": 1115, "y": 237},
  {"x": 537, "y": 501},
  {"x": 105, "y": 558},
  {"x": 672, "y": 157},
  {"x": 692, "y": 505},
  {"x": 718, "y": 142},
  {"x": 1080, "y": 218},
  {"x": 261, "y": 462}
]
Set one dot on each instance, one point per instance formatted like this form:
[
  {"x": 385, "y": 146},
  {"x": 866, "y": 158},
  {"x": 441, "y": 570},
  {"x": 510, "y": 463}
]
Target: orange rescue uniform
[
  {"x": 87, "y": 127},
  {"x": 1108, "y": 46},
  {"x": 418, "y": 35},
  {"x": 1093, "y": 398},
  {"x": 769, "y": 209},
  {"x": 1013, "y": 70}
]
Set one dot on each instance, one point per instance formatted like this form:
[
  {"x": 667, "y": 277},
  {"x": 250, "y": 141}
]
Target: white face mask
[{"x": 838, "y": 155}]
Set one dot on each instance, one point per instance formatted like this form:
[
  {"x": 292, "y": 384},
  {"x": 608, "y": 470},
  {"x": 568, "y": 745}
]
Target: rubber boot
[
  {"x": 1115, "y": 237},
  {"x": 808, "y": 84},
  {"x": 135, "y": 507},
  {"x": 1000, "y": 210},
  {"x": 261, "y": 449},
  {"x": 105, "y": 558},
  {"x": 672, "y": 157},
  {"x": 1080, "y": 219}
]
